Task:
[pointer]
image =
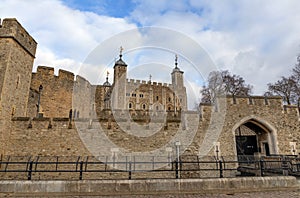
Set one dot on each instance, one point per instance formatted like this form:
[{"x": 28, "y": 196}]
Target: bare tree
[
  {"x": 296, "y": 79},
  {"x": 288, "y": 87},
  {"x": 235, "y": 85},
  {"x": 223, "y": 83},
  {"x": 284, "y": 88},
  {"x": 205, "y": 95}
]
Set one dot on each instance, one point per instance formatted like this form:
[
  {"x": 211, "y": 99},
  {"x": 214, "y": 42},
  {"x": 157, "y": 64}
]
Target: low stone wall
[{"x": 162, "y": 186}]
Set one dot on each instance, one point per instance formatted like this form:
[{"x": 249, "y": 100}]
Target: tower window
[
  {"x": 18, "y": 82},
  {"x": 127, "y": 94},
  {"x": 130, "y": 106},
  {"x": 133, "y": 95},
  {"x": 169, "y": 99},
  {"x": 144, "y": 106},
  {"x": 157, "y": 97},
  {"x": 13, "y": 111},
  {"x": 141, "y": 95}
]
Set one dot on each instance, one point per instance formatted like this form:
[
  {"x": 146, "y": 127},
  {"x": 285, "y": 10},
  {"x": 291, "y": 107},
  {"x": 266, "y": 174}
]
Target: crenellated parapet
[
  {"x": 56, "y": 94},
  {"x": 292, "y": 110},
  {"x": 48, "y": 72},
  {"x": 252, "y": 105},
  {"x": 255, "y": 100},
  {"x": 11, "y": 28},
  {"x": 134, "y": 82}
]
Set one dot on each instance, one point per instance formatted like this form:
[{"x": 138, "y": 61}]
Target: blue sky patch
[{"x": 115, "y": 8}]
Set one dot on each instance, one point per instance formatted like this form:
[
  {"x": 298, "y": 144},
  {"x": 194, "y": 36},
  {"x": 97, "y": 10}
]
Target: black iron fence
[{"x": 79, "y": 168}]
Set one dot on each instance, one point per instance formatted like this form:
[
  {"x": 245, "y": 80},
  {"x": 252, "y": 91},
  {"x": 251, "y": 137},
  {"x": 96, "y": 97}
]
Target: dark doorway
[{"x": 246, "y": 145}]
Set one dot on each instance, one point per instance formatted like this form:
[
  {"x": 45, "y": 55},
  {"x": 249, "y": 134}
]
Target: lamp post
[
  {"x": 177, "y": 145},
  {"x": 39, "y": 101}
]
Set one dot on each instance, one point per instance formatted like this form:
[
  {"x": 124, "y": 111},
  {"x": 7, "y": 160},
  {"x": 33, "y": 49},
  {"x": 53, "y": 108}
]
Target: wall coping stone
[{"x": 154, "y": 186}]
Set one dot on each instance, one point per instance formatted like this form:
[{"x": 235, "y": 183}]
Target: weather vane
[
  {"x": 176, "y": 59},
  {"x": 121, "y": 50},
  {"x": 150, "y": 76}
]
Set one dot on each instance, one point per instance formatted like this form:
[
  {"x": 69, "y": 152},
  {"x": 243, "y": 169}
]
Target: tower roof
[
  {"x": 120, "y": 61},
  {"x": 176, "y": 69},
  {"x": 106, "y": 83}
]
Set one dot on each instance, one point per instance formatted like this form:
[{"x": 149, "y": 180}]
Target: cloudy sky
[{"x": 258, "y": 40}]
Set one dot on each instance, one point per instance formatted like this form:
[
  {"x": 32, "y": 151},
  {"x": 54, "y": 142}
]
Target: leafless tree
[
  {"x": 288, "y": 87},
  {"x": 223, "y": 83},
  {"x": 283, "y": 87},
  {"x": 205, "y": 95},
  {"x": 296, "y": 79}
]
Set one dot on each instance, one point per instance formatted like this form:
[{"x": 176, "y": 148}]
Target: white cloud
[
  {"x": 257, "y": 40},
  {"x": 65, "y": 36}
]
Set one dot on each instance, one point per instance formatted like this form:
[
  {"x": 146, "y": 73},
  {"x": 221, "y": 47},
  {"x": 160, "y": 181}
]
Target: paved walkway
[{"x": 273, "y": 194}]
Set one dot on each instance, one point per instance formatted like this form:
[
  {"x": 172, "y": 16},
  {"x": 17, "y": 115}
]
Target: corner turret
[
  {"x": 119, "y": 84},
  {"x": 179, "y": 88},
  {"x": 177, "y": 75}
]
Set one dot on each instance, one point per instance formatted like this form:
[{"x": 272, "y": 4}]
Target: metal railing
[{"x": 41, "y": 168}]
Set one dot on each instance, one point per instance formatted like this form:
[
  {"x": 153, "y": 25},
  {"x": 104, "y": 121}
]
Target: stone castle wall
[
  {"x": 56, "y": 134},
  {"x": 280, "y": 121},
  {"x": 61, "y": 93},
  {"x": 56, "y": 95},
  {"x": 60, "y": 139}
]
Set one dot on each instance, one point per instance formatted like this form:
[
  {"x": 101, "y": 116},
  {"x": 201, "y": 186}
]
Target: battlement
[
  {"x": 11, "y": 28},
  {"x": 143, "y": 82},
  {"x": 65, "y": 74},
  {"x": 291, "y": 109},
  {"x": 251, "y": 100},
  {"x": 46, "y": 71},
  {"x": 255, "y": 100},
  {"x": 82, "y": 81},
  {"x": 273, "y": 103}
]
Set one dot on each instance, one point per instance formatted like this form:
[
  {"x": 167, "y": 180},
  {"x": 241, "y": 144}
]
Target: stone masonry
[{"x": 71, "y": 120}]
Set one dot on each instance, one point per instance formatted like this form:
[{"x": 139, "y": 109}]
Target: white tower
[{"x": 179, "y": 88}]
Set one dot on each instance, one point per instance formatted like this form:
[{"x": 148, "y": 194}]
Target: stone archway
[{"x": 253, "y": 135}]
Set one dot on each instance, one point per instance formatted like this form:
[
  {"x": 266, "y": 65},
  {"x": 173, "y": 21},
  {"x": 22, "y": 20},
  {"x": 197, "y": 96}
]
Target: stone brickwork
[
  {"x": 149, "y": 188},
  {"x": 282, "y": 124},
  {"x": 212, "y": 131},
  {"x": 56, "y": 95},
  {"x": 17, "y": 51}
]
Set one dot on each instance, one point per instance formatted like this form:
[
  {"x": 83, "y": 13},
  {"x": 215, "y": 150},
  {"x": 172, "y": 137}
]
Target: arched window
[
  {"x": 157, "y": 108},
  {"x": 144, "y": 106},
  {"x": 169, "y": 99},
  {"x": 169, "y": 108},
  {"x": 130, "y": 105},
  {"x": 157, "y": 97}
]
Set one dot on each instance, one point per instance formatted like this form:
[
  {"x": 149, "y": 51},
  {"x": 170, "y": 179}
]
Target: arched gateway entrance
[{"x": 254, "y": 136}]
